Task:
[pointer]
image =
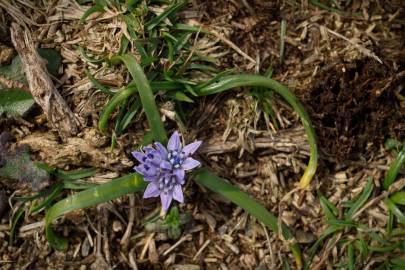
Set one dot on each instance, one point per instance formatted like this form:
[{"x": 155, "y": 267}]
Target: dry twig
[{"x": 41, "y": 86}]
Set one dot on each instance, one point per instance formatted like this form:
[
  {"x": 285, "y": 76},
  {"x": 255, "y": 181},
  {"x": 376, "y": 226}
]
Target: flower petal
[
  {"x": 150, "y": 178},
  {"x": 166, "y": 198},
  {"x": 179, "y": 173},
  {"x": 162, "y": 150},
  {"x": 178, "y": 194},
  {"x": 139, "y": 156},
  {"x": 166, "y": 165},
  {"x": 151, "y": 190},
  {"x": 148, "y": 149},
  {"x": 174, "y": 142},
  {"x": 189, "y": 149},
  {"x": 139, "y": 169},
  {"x": 190, "y": 163}
]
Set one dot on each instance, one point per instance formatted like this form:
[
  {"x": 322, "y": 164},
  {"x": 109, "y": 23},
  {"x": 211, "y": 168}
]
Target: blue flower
[{"x": 164, "y": 168}]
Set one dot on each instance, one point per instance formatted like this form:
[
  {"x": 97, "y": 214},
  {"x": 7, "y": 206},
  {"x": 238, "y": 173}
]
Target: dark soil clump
[{"x": 352, "y": 105}]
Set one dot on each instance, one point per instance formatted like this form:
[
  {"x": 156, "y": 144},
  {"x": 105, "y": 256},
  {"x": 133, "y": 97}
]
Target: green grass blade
[
  {"x": 326, "y": 7},
  {"x": 395, "y": 210},
  {"x": 97, "y": 84},
  {"x": 361, "y": 245},
  {"x": 398, "y": 197},
  {"x": 112, "y": 104},
  {"x": 283, "y": 29},
  {"x": 361, "y": 200},
  {"x": 217, "y": 184},
  {"x": 312, "y": 251},
  {"x": 286, "y": 266},
  {"x": 125, "y": 94},
  {"x": 129, "y": 115},
  {"x": 329, "y": 209},
  {"x": 89, "y": 59},
  {"x": 75, "y": 175},
  {"x": 390, "y": 222},
  {"x": 146, "y": 95},
  {"x": 226, "y": 83},
  {"x": 388, "y": 248},
  {"x": 394, "y": 168},
  {"x": 350, "y": 254},
  {"x": 190, "y": 28},
  {"x": 168, "y": 12},
  {"x": 90, "y": 197},
  {"x": 93, "y": 9},
  {"x": 57, "y": 189},
  {"x": 19, "y": 214}
]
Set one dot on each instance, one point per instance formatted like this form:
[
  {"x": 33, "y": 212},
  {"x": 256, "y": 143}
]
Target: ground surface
[{"x": 347, "y": 69}]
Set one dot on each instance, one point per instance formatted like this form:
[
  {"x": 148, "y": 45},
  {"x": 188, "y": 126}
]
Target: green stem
[{"x": 256, "y": 80}]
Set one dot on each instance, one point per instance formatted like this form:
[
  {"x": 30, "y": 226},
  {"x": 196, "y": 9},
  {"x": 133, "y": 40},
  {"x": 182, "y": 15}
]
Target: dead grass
[{"x": 240, "y": 144}]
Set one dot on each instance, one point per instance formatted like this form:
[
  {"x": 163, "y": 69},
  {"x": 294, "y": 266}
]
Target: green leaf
[
  {"x": 146, "y": 95},
  {"x": 394, "y": 169},
  {"x": 395, "y": 210},
  {"x": 15, "y": 102},
  {"x": 390, "y": 222},
  {"x": 18, "y": 166},
  {"x": 14, "y": 71},
  {"x": 329, "y": 209},
  {"x": 52, "y": 58},
  {"x": 388, "y": 248},
  {"x": 56, "y": 190},
  {"x": 361, "y": 200},
  {"x": 219, "y": 185},
  {"x": 392, "y": 144},
  {"x": 283, "y": 29},
  {"x": 90, "y": 197},
  {"x": 350, "y": 255},
  {"x": 93, "y": 9},
  {"x": 82, "y": 2},
  {"x": 361, "y": 245},
  {"x": 97, "y": 84},
  {"x": 398, "y": 197},
  {"x": 127, "y": 118},
  {"x": 180, "y": 96},
  {"x": 312, "y": 251},
  {"x": 75, "y": 175},
  {"x": 222, "y": 84},
  {"x": 168, "y": 12},
  {"x": 19, "y": 214}
]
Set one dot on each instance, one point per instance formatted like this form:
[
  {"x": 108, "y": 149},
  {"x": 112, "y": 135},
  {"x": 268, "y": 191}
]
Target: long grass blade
[
  {"x": 146, "y": 95},
  {"x": 90, "y": 197},
  {"x": 228, "y": 82}
]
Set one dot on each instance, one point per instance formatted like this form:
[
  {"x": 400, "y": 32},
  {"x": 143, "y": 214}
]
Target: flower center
[
  {"x": 167, "y": 183},
  {"x": 175, "y": 159}
]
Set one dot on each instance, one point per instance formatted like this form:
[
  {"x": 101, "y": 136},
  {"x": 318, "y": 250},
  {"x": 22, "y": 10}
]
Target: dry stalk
[{"x": 40, "y": 84}]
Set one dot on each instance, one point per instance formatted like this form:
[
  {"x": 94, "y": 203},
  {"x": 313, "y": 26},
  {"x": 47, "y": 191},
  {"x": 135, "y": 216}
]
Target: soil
[{"x": 354, "y": 107}]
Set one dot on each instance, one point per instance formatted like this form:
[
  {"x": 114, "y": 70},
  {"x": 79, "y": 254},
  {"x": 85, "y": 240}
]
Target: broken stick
[{"x": 42, "y": 89}]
